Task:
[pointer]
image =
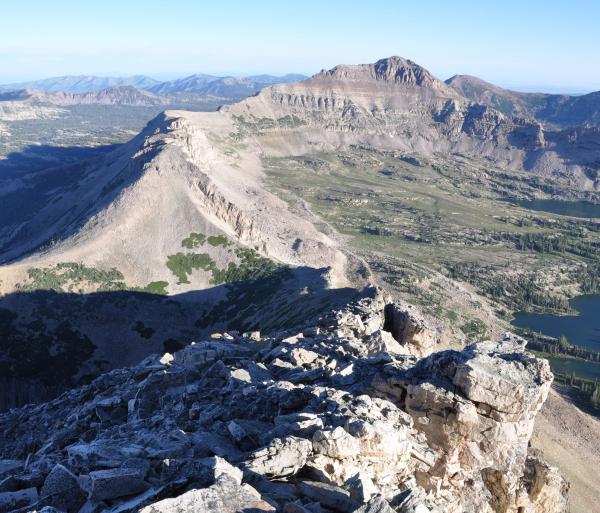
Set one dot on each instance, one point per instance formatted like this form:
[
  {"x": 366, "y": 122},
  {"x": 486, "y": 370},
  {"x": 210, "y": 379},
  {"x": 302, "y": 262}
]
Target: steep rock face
[
  {"x": 477, "y": 410},
  {"x": 313, "y": 418},
  {"x": 395, "y": 103},
  {"x": 486, "y": 123}
]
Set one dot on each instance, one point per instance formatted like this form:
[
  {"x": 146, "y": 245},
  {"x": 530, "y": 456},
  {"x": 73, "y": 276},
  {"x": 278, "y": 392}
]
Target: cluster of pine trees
[
  {"x": 586, "y": 391},
  {"x": 544, "y": 344}
]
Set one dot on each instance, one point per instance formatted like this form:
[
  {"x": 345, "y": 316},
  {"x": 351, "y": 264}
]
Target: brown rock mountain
[
  {"x": 185, "y": 209},
  {"x": 393, "y": 70},
  {"x": 395, "y": 103}
]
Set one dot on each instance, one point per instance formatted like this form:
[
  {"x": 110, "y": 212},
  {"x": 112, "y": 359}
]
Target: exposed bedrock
[{"x": 342, "y": 415}]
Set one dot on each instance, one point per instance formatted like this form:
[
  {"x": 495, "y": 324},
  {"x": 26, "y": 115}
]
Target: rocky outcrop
[
  {"x": 225, "y": 496},
  {"x": 392, "y": 70},
  {"x": 409, "y": 328},
  {"x": 341, "y": 415}
]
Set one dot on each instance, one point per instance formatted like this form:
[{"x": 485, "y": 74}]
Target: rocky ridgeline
[{"x": 355, "y": 413}]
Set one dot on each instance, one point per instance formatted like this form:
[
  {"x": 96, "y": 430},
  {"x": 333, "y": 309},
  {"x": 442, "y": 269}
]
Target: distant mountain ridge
[
  {"x": 222, "y": 86},
  {"x": 115, "y": 95},
  {"x": 80, "y": 83},
  {"x": 41, "y": 99},
  {"x": 197, "y": 83},
  {"x": 553, "y": 110},
  {"x": 559, "y": 110}
]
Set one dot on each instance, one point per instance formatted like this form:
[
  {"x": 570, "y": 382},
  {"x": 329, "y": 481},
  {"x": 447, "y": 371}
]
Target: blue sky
[{"x": 546, "y": 45}]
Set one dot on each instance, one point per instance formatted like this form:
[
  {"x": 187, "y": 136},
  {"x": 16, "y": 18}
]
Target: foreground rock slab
[{"x": 354, "y": 412}]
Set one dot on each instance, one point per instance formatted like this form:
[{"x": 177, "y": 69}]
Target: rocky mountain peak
[
  {"x": 474, "y": 88},
  {"x": 393, "y": 70},
  {"x": 399, "y": 70}
]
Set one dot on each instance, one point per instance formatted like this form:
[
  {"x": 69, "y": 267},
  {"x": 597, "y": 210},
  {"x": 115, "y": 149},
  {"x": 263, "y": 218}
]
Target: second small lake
[
  {"x": 582, "y": 330},
  {"x": 582, "y": 368}
]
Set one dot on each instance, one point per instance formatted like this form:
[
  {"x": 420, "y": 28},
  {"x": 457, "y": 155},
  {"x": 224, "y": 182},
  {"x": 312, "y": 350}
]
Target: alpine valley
[{"x": 299, "y": 302}]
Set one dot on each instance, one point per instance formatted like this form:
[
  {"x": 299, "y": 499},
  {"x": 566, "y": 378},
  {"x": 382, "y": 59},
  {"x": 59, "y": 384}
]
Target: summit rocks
[{"x": 318, "y": 419}]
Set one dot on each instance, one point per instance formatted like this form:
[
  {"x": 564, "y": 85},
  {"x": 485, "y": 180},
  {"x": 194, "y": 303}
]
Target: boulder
[
  {"x": 361, "y": 487},
  {"x": 337, "y": 443},
  {"x": 409, "y": 328},
  {"x": 101, "y": 453},
  {"x": 544, "y": 490},
  {"x": 61, "y": 490},
  {"x": 376, "y": 505},
  {"x": 220, "y": 467},
  {"x": 113, "y": 483},
  {"x": 384, "y": 342},
  {"x": 328, "y": 495},
  {"x": 295, "y": 507},
  {"x": 282, "y": 457},
  {"x": 19, "y": 499},
  {"x": 300, "y": 356},
  {"x": 225, "y": 496},
  {"x": 7, "y": 465},
  {"x": 111, "y": 408}
]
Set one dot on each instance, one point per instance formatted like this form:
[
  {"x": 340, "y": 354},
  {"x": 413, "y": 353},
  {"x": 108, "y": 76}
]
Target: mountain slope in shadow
[{"x": 54, "y": 340}]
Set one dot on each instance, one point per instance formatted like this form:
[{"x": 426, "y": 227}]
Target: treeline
[
  {"x": 589, "y": 277},
  {"x": 554, "y": 243},
  {"x": 560, "y": 346},
  {"x": 526, "y": 294},
  {"x": 586, "y": 391},
  {"x": 576, "y": 227},
  {"x": 521, "y": 292}
]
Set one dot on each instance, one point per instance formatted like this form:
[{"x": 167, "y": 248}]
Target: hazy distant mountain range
[
  {"x": 218, "y": 86},
  {"x": 556, "y": 110},
  {"x": 196, "y": 84},
  {"x": 81, "y": 83}
]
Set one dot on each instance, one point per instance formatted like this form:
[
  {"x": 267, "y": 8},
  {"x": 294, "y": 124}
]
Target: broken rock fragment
[
  {"x": 342, "y": 416},
  {"x": 113, "y": 483},
  {"x": 225, "y": 496},
  {"x": 62, "y": 491},
  {"x": 283, "y": 457}
]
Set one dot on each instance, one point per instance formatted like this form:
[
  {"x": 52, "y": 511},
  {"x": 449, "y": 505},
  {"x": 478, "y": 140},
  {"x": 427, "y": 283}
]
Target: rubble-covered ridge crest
[{"x": 358, "y": 412}]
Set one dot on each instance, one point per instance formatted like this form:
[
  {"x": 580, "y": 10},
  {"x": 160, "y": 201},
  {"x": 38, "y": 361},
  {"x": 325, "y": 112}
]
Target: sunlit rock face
[{"x": 341, "y": 415}]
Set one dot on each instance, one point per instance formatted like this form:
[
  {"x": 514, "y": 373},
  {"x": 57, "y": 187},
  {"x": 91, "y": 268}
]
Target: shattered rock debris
[{"x": 356, "y": 413}]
